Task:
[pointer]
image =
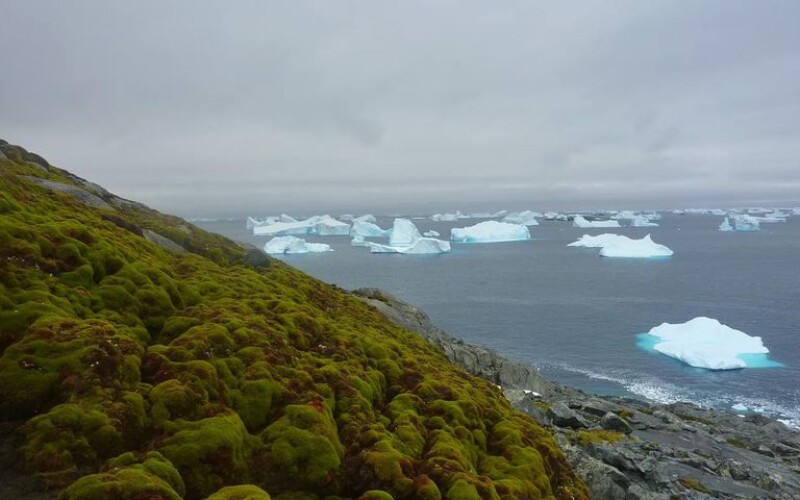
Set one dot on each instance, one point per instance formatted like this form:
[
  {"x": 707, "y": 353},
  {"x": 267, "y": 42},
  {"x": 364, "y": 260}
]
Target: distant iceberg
[
  {"x": 444, "y": 217},
  {"x": 637, "y": 249},
  {"x": 615, "y": 245},
  {"x": 368, "y": 229},
  {"x": 741, "y": 222},
  {"x": 431, "y": 234},
  {"x": 419, "y": 246},
  {"x": 707, "y": 343},
  {"x": 526, "y": 218},
  {"x": 579, "y": 221},
  {"x": 292, "y": 244},
  {"x": 366, "y": 218},
  {"x": 556, "y": 216},
  {"x": 490, "y": 232},
  {"x": 599, "y": 241},
  {"x": 642, "y": 221},
  {"x": 322, "y": 225},
  {"x": 406, "y": 239},
  {"x": 403, "y": 233}
]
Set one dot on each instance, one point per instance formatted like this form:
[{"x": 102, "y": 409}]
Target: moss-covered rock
[{"x": 240, "y": 492}]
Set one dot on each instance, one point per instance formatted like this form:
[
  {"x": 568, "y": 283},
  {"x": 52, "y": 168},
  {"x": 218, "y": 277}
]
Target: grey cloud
[{"x": 212, "y": 108}]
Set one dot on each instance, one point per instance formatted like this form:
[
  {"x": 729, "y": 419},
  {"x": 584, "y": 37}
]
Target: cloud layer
[{"x": 258, "y": 107}]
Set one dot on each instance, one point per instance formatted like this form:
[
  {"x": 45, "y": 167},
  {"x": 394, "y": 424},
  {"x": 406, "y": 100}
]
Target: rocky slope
[
  {"x": 144, "y": 358},
  {"x": 629, "y": 449}
]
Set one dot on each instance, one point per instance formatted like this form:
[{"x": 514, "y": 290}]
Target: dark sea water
[{"x": 576, "y": 315}]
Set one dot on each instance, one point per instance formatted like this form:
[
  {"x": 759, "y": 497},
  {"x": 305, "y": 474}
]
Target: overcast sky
[{"x": 233, "y": 108}]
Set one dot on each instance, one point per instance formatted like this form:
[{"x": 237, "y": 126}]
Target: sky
[{"x": 222, "y": 109}]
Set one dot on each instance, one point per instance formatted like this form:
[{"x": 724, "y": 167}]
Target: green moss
[
  {"x": 376, "y": 495},
  {"x": 120, "y": 484},
  {"x": 234, "y": 374},
  {"x": 240, "y": 492},
  {"x": 210, "y": 453}
]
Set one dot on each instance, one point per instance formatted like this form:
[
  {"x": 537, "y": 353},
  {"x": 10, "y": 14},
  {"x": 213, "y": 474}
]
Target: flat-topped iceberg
[
  {"x": 292, "y": 244},
  {"x": 707, "y": 343},
  {"x": 322, "y": 225},
  {"x": 599, "y": 241},
  {"x": 556, "y": 216},
  {"x": 637, "y": 249},
  {"x": 616, "y": 245},
  {"x": 526, "y": 218},
  {"x": 490, "y": 232},
  {"x": 580, "y": 221}
]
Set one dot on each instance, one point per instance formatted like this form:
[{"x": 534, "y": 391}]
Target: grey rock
[
  {"x": 613, "y": 422},
  {"x": 79, "y": 194},
  {"x": 563, "y": 416},
  {"x": 162, "y": 241},
  {"x": 257, "y": 258}
]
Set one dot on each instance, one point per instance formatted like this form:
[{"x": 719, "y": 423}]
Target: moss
[
  {"x": 120, "y": 484},
  {"x": 240, "y": 492},
  {"x": 67, "y": 438},
  {"x": 111, "y": 346},
  {"x": 586, "y": 437},
  {"x": 209, "y": 453},
  {"x": 739, "y": 443},
  {"x": 376, "y": 495},
  {"x": 694, "y": 484}
]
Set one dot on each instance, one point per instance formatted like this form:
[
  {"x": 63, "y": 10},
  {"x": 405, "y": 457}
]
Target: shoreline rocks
[{"x": 626, "y": 448}]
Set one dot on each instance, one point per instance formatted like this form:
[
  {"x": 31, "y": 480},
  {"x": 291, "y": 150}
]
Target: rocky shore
[{"x": 631, "y": 449}]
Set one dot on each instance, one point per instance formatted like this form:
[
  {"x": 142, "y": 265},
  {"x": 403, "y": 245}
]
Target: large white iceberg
[
  {"x": 526, "y": 218},
  {"x": 616, "y": 245},
  {"x": 322, "y": 225},
  {"x": 706, "y": 343},
  {"x": 404, "y": 233},
  {"x": 641, "y": 249},
  {"x": 579, "y": 221},
  {"x": 292, "y": 244},
  {"x": 490, "y": 232},
  {"x": 405, "y": 238},
  {"x": 599, "y": 241}
]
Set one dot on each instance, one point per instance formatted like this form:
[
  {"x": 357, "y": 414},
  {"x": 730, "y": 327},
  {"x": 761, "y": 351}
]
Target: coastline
[{"x": 630, "y": 448}]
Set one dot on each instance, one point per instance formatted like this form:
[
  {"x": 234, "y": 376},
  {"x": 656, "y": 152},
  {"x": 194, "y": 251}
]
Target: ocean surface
[{"x": 576, "y": 315}]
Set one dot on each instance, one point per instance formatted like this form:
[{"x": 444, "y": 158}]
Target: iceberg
[
  {"x": 366, "y": 218},
  {"x": 368, "y": 229},
  {"x": 616, "y": 245},
  {"x": 286, "y": 218},
  {"x": 579, "y": 221},
  {"x": 726, "y": 225},
  {"x": 419, "y": 246},
  {"x": 292, "y": 244},
  {"x": 706, "y": 343},
  {"x": 526, "y": 218},
  {"x": 444, "y": 217},
  {"x": 405, "y": 239},
  {"x": 599, "y": 241},
  {"x": 744, "y": 222},
  {"x": 404, "y": 233},
  {"x": 322, "y": 225},
  {"x": 359, "y": 241},
  {"x": 642, "y": 221},
  {"x": 556, "y": 216},
  {"x": 490, "y": 232},
  {"x": 639, "y": 249},
  {"x": 431, "y": 234},
  {"x": 624, "y": 215}
]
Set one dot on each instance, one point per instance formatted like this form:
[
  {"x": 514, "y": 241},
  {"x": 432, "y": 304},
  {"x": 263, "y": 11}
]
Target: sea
[{"x": 577, "y": 316}]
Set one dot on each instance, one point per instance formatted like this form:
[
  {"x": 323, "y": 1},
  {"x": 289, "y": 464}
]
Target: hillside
[{"x": 145, "y": 358}]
